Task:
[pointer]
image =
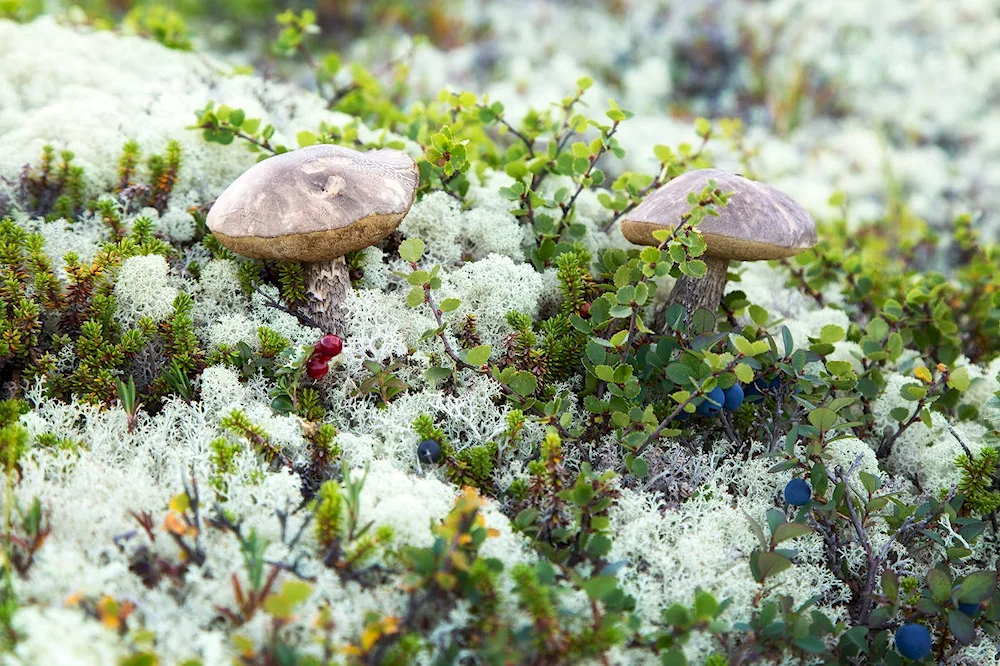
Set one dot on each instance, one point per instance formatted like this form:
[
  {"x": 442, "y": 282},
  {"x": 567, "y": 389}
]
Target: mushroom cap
[
  {"x": 315, "y": 204},
  {"x": 758, "y": 222}
]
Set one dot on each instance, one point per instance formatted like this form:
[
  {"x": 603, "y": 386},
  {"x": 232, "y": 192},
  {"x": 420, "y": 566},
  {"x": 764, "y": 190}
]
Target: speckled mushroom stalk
[
  {"x": 314, "y": 205},
  {"x": 758, "y": 223}
]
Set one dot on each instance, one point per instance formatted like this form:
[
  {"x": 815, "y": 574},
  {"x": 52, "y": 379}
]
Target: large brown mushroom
[
  {"x": 759, "y": 222},
  {"x": 314, "y": 205}
]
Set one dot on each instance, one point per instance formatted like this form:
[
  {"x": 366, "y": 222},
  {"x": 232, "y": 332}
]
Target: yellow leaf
[
  {"x": 180, "y": 503},
  {"x": 369, "y": 636},
  {"x": 923, "y": 373}
]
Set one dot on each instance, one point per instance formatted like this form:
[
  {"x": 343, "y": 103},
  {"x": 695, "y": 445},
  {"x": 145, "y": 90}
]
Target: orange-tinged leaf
[{"x": 174, "y": 524}]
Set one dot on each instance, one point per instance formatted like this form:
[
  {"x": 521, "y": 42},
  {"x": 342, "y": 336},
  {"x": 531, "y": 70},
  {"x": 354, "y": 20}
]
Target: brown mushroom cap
[
  {"x": 759, "y": 221},
  {"x": 315, "y": 204}
]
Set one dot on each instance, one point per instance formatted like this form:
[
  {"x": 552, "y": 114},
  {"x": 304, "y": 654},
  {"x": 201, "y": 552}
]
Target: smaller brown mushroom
[
  {"x": 759, "y": 222},
  {"x": 314, "y": 205}
]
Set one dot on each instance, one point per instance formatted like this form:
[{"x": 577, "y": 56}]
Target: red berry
[
  {"x": 317, "y": 368},
  {"x": 328, "y": 346}
]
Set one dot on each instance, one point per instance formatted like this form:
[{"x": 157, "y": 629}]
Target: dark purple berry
[
  {"x": 734, "y": 398},
  {"x": 969, "y": 609},
  {"x": 913, "y": 641},
  {"x": 712, "y": 404},
  {"x": 429, "y": 451},
  {"x": 797, "y": 492}
]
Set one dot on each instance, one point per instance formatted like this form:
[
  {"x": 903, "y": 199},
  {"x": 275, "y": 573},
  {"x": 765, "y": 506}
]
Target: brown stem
[
  {"x": 327, "y": 286},
  {"x": 704, "y": 292}
]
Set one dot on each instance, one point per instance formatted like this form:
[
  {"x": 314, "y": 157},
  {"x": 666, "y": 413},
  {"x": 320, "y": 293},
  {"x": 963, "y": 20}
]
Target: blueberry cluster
[{"x": 731, "y": 398}]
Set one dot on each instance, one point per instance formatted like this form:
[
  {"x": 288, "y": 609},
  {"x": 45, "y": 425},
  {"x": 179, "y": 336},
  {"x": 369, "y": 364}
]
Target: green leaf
[
  {"x": 771, "y": 564},
  {"x": 743, "y": 346},
  {"x": 977, "y": 587},
  {"x": 832, "y": 333},
  {"x": 811, "y": 644},
  {"x": 959, "y": 380},
  {"x": 250, "y": 125},
  {"x": 962, "y": 627},
  {"x": 890, "y": 585},
  {"x": 702, "y": 127},
  {"x": 306, "y": 138},
  {"x": 679, "y": 373},
  {"x": 939, "y": 584},
  {"x": 599, "y": 588},
  {"x": 673, "y": 657},
  {"x": 695, "y": 268},
  {"x": 743, "y": 372},
  {"x": 277, "y": 606},
  {"x": 702, "y": 321},
  {"x": 869, "y": 482},
  {"x": 478, "y": 355},
  {"x": 296, "y": 591},
  {"x": 822, "y": 418},
  {"x": 639, "y": 468},
  {"x": 418, "y": 278},
  {"x": 604, "y": 372},
  {"x": 787, "y": 341},
  {"x": 449, "y": 304},
  {"x": 282, "y": 404},
  {"x": 415, "y": 297},
  {"x": 820, "y": 478},
  {"x": 434, "y": 374},
  {"x": 705, "y": 605},
  {"x": 788, "y": 531},
  {"x": 411, "y": 249},
  {"x": 523, "y": 383},
  {"x": 878, "y": 329}
]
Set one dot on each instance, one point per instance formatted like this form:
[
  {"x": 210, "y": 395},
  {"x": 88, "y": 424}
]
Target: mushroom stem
[
  {"x": 704, "y": 292},
  {"x": 327, "y": 286}
]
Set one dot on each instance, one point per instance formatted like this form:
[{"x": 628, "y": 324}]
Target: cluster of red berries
[{"x": 318, "y": 364}]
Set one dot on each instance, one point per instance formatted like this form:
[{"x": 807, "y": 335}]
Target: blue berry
[
  {"x": 429, "y": 451},
  {"x": 971, "y": 610},
  {"x": 712, "y": 404},
  {"x": 913, "y": 641},
  {"x": 797, "y": 492},
  {"x": 775, "y": 383},
  {"x": 734, "y": 398}
]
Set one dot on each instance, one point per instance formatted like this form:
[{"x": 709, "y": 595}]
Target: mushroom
[
  {"x": 314, "y": 205},
  {"x": 759, "y": 222}
]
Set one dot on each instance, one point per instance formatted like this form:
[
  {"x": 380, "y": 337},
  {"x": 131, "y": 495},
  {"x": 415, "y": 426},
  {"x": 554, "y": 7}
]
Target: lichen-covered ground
[{"x": 897, "y": 107}]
